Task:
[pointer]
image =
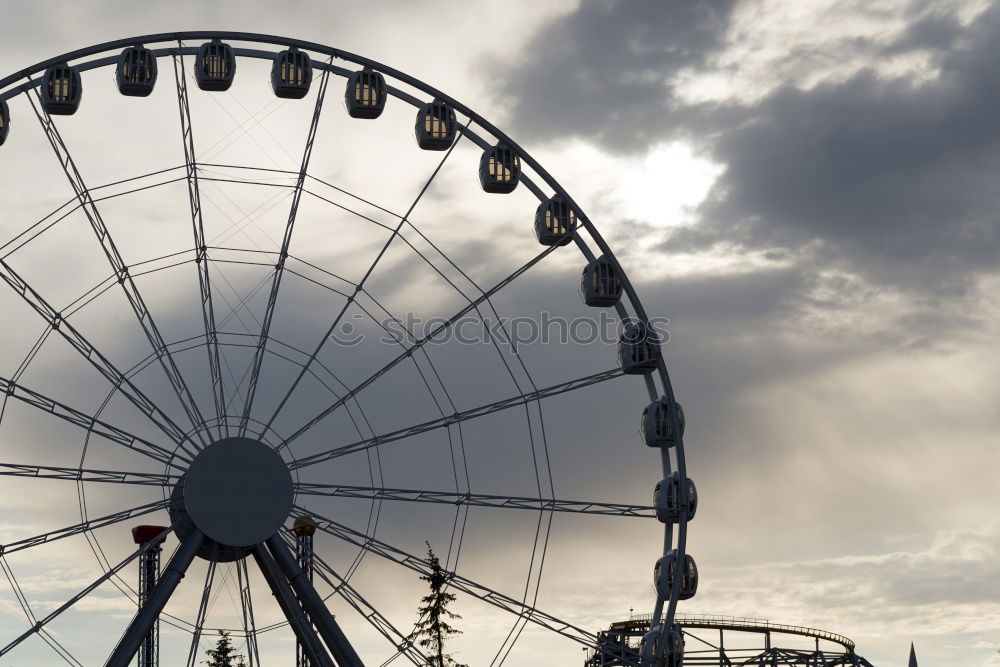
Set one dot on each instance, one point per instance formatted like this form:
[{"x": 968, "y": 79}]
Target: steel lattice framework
[
  {"x": 180, "y": 440},
  {"x": 730, "y": 641}
]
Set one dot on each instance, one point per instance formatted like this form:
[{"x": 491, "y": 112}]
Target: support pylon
[
  {"x": 149, "y": 574},
  {"x": 304, "y": 529}
]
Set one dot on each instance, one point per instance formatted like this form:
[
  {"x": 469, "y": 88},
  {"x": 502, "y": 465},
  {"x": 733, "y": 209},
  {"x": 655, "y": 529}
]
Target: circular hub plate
[{"x": 238, "y": 491}]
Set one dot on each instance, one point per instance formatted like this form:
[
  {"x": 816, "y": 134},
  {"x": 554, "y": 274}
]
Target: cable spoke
[
  {"x": 417, "y": 345},
  {"x": 272, "y": 299},
  {"x": 455, "y": 580},
  {"x": 458, "y": 417},
  {"x": 475, "y": 499},
  {"x": 37, "y": 627},
  {"x": 119, "y": 267},
  {"x": 22, "y": 600},
  {"x": 91, "y": 424},
  {"x": 246, "y": 607},
  {"x": 360, "y": 285},
  {"x": 103, "y": 365},
  {"x": 201, "y": 250},
  {"x": 92, "y": 524},
  {"x": 86, "y": 474},
  {"x": 403, "y": 644}
]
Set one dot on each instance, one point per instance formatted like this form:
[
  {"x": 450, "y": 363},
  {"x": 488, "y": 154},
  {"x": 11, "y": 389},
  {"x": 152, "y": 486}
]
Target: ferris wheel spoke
[
  {"x": 76, "y": 529},
  {"x": 359, "y": 286},
  {"x": 120, "y": 268},
  {"x": 25, "y": 605},
  {"x": 272, "y": 299},
  {"x": 88, "y": 423},
  {"x": 455, "y": 580},
  {"x": 201, "y": 250},
  {"x": 476, "y": 499},
  {"x": 246, "y": 609},
  {"x": 86, "y": 474},
  {"x": 40, "y": 625},
  {"x": 444, "y": 326},
  {"x": 403, "y": 644},
  {"x": 458, "y": 417},
  {"x": 97, "y": 359}
]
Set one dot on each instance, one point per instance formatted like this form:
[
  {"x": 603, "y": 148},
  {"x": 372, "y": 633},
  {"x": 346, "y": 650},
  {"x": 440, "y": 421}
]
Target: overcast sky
[{"x": 807, "y": 190}]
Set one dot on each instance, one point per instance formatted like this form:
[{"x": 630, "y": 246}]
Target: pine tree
[
  {"x": 224, "y": 655},
  {"x": 434, "y": 628}
]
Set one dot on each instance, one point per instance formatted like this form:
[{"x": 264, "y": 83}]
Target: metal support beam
[
  {"x": 291, "y": 608},
  {"x": 334, "y": 637},
  {"x": 459, "y": 417},
  {"x": 149, "y": 573},
  {"x": 200, "y": 247},
  {"x": 304, "y": 557},
  {"x": 120, "y": 268},
  {"x": 293, "y": 212},
  {"x": 148, "y": 613}
]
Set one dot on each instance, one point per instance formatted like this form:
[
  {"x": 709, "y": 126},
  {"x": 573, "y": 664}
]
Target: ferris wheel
[{"x": 236, "y": 457}]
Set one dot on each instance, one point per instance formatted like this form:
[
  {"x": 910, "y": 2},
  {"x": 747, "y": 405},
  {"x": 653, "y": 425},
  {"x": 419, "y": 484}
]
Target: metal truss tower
[
  {"x": 304, "y": 529},
  {"x": 149, "y": 574}
]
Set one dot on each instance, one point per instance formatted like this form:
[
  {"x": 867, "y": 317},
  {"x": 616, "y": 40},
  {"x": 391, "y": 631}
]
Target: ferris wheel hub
[{"x": 238, "y": 491}]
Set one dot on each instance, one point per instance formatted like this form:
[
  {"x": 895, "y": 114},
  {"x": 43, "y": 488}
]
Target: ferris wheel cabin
[
  {"x": 657, "y": 427},
  {"x": 555, "y": 222},
  {"x": 291, "y": 74},
  {"x": 673, "y": 651},
  {"x": 600, "y": 285},
  {"x": 663, "y": 576},
  {"x": 499, "y": 169},
  {"x": 136, "y": 72},
  {"x": 667, "y": 499},
  {"x": 436, "y": 126},
  {"x": 365, "y": 94},
  {"x": 215, "y": 66},
  {"x": 61, "y": 90},
  {"x": 638, "y": 350}
]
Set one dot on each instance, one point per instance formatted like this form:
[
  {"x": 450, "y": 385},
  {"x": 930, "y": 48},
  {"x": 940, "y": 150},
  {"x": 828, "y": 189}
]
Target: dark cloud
[
  {"x": 893, "y": 177},
  {"x": 606, "y": 72},
  {"x": 886, "y": 178},
  {"x": 890, "y": 178}
]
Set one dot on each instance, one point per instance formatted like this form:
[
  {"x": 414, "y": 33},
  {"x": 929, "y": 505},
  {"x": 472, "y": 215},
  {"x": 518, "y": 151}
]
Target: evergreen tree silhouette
[
  {"x": 224, "y": 655},
  {"x": 434, "y": 626}
]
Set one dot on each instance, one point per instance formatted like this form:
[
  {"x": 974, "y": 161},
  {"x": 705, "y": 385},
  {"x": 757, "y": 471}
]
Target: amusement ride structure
[
  {"x": 726, "y": 641},
  {"x": 229, "y": 471}
]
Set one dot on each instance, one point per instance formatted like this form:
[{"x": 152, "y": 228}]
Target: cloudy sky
[{"x": 805, "y": 189}]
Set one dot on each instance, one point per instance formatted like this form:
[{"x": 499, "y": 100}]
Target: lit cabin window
[
  {"x": 667, "y": 499},
  {"x": 672, "y": 642},
  {"x": 555, "y": 222},
  {"x": 436, "y": 126},
  {"x": 61, "y": 90},
  {"x": 291, "y": 74},
  {"x": 499, "y": 169},
  {"x": 136, "y": 72},
  {"x": 365, "y": 94},
  {"x": 600, "y": 285},
  {"x": 638, "y": 350},
  {"x": 665, "y": 570},
  {"x": 657, "y": 428},
  {"x": 215, "y": 66},
  {"x": 4, "y": 121}
]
